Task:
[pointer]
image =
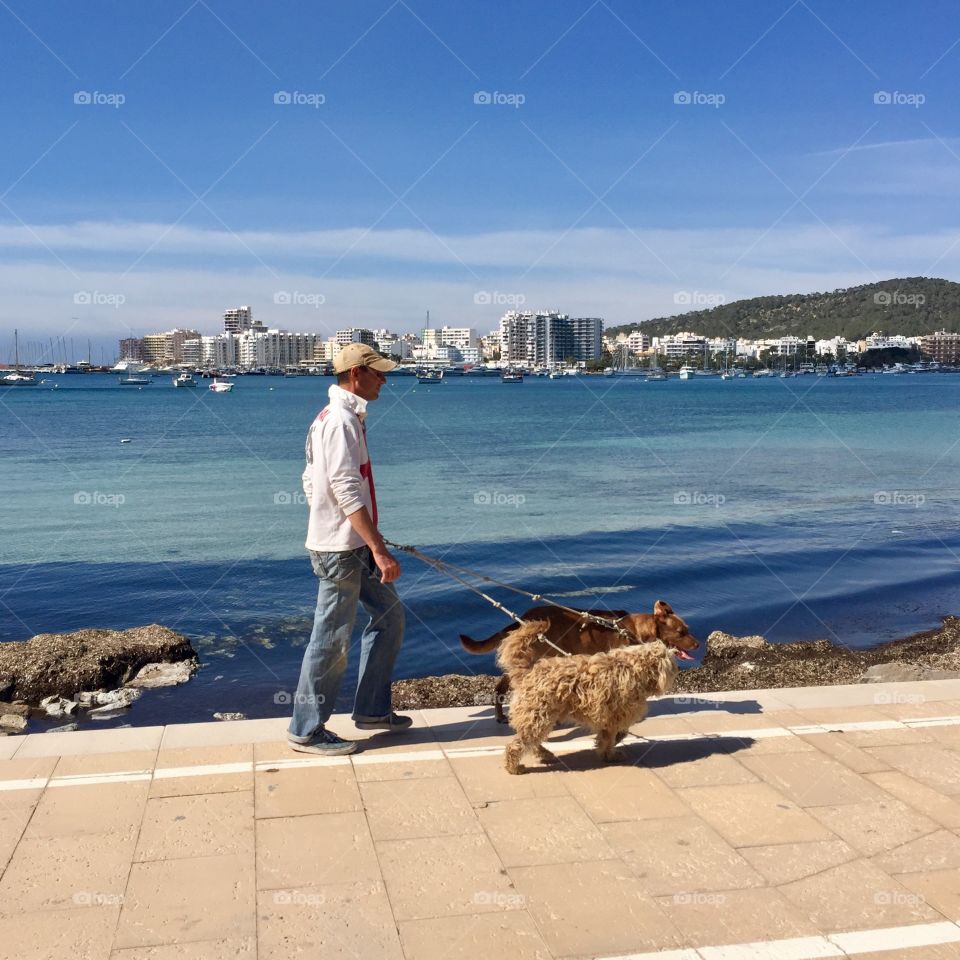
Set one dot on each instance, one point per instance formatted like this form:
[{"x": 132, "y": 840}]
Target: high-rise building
[
  {"x": 237, "y": 319},
  {"x": 131, "y": 348},
  {"x": 941, "y": 346},
  {"x": 548, "y": 338}
]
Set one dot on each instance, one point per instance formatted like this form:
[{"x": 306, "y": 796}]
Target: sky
[{"x": 359, "y": 164}]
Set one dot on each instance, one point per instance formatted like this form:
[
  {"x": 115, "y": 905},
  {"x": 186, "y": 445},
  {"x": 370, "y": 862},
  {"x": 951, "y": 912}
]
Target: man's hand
[{"x": 387, "y": 564}]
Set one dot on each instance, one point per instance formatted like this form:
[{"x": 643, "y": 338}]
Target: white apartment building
[
  {"x": 277, "y": 348},
  {"x": 787, "y": 346},
  {"x": 836, "y": 346},
  {"x": 355, "y": 335},
  {"x": 676, "y": 345},
  {"x": 637, "y": 342},
  {"x": 548, "y": 338},
  {"x": 877, "y": 341},
  {"x": 722, "y": 345},
  {"x": 445, "y": 336}
]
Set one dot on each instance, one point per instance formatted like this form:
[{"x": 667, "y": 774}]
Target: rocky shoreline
[
  {"x": 747, "y": 663},
  {"x": 100, "y": 673}
]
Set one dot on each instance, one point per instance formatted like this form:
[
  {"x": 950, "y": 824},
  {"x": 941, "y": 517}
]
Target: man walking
[{"x": 352, "y": 563}]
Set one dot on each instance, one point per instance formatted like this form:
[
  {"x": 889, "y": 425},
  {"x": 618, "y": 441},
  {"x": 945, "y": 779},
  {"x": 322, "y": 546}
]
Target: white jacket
[{"x": 337, "y": 480}]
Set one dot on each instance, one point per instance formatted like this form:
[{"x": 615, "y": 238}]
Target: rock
[
  {"x": 6, "y": 688},
  {"x": 229, "y": 716},
  {"x": 87, "y": 698},
  {"x": 108, "y": 712},
  {"x": 66, "y": 728},
  {"x": 11, "y": 721},
  {"x": 19, "y": 708},
  {"x": 57, "y": 706},
  {"x": 892, "y": 673},
  {"x": 720, "y": 642},
  {"x": 116, "y": 698},
  {"x": 164, "y": 674},
  {"x": 65, "y": 663}
]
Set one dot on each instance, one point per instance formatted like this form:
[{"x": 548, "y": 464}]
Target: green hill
[{"x": 908, "y": 306}]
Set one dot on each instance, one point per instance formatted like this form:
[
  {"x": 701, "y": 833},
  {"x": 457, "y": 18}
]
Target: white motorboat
[
  {"x": 686, "y": 372},
  {"x": 184, "y": 380},
  {"x": 511, "y": 375},
  {"x": 220, "y": 386}
]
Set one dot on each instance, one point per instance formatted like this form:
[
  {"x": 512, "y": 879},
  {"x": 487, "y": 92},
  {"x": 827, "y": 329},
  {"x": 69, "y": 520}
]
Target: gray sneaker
[
  {"x": 394, "y": 722},
  {"x": 325, "y": 744}
]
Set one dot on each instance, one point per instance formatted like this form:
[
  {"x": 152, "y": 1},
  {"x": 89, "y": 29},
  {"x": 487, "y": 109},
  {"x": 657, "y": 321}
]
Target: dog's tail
[
  {"x": 485, "y": 646},
  {"x": 521, "y": 651}
]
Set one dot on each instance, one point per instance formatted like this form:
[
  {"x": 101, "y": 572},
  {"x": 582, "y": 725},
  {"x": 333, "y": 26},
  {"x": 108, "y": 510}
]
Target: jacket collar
[{"x": 344, "y": 398}]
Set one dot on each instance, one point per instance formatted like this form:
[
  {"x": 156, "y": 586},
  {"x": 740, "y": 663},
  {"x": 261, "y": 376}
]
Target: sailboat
[{"x": 18, "y": 379}]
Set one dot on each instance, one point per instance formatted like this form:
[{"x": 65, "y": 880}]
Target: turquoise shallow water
[{"x": 796, "y": 508}]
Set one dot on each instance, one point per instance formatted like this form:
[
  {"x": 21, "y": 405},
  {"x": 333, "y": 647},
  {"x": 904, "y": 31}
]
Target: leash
[{"x": 454, "y": 571}]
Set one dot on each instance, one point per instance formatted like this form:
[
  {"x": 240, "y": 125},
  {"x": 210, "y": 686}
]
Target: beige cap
[{"x": 360, "y": 355}]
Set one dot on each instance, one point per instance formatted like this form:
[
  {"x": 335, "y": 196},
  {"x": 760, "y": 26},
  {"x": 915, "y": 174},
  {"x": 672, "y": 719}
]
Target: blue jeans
[{"x": 347, "y": 579}]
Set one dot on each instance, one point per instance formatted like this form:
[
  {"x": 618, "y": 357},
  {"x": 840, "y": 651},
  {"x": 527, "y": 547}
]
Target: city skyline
[{"x": 385, "y": 159}]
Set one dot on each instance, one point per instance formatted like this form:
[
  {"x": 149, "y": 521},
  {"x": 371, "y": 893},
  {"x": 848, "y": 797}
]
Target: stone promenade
[{"x": 769, "y": 825}]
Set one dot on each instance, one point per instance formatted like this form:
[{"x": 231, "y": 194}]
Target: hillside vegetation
[{"x": 910, "y": 306}]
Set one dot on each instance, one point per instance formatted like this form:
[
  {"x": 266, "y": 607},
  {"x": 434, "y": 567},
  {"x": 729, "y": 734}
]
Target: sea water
[{"x": 795, "y": 508}]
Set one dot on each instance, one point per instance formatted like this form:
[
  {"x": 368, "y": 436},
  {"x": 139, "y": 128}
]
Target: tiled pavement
[{"x": 777, "y": 825}]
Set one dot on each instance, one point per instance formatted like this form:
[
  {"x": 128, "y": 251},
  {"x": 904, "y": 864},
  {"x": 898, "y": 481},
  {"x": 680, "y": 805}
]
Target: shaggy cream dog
[{"x": 606, "y": 692}]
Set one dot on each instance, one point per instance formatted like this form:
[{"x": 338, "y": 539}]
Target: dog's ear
[{"x": 662, "y": 609}]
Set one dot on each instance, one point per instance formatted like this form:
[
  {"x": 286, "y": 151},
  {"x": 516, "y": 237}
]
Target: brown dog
[
  {"x": 575, "y": 635},
  {"x": 607, "y": 691}
]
